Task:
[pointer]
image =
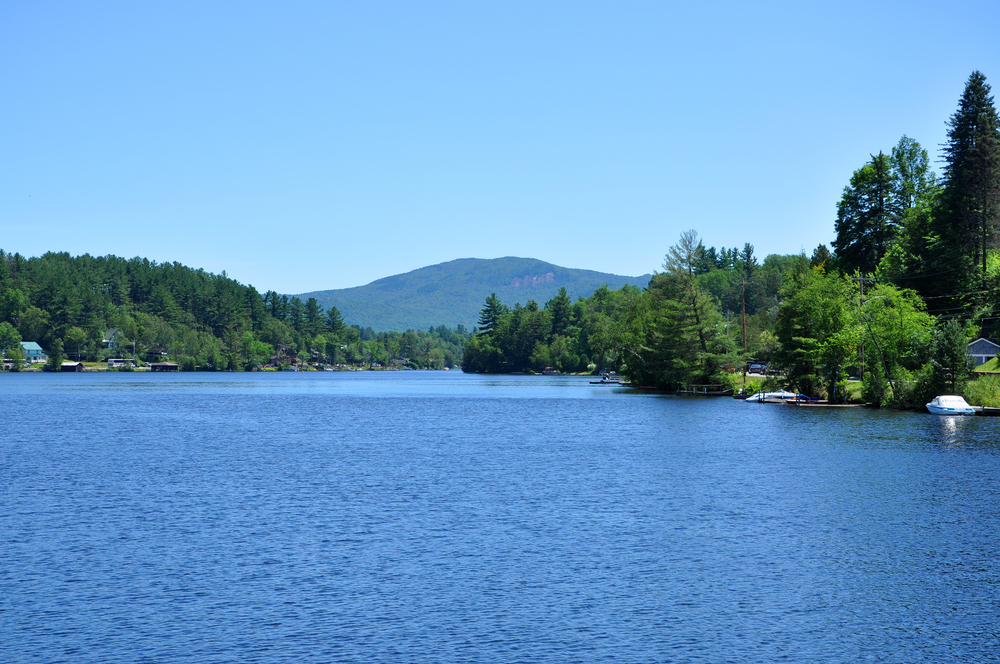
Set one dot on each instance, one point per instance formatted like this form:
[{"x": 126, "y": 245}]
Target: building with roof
[
  {"x": 33, "y": 353},
  {"x": 981, "y": 351}
]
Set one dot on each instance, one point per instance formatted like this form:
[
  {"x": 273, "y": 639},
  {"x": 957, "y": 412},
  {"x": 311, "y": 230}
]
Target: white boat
[
  {"x": 950, "y": 405},
  {"x": 761, "y": 396}
]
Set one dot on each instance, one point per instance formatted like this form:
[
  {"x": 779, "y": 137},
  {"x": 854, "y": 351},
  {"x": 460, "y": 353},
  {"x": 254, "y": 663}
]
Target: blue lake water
[{"x": 440, "y": 517}]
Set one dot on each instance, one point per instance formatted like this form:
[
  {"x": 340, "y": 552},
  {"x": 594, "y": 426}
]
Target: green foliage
[
  {"x": 686, "y": 340},
  {"x": 200, "y": 319},
  {"x": 867, "y": 221},
  {"x": 15, "y": 357},
  {"x": 564, "y": 336},
  {"x": 55, "y": 355},
  {"x": 970, "y": 204},
  {"x": 9, "y": 337}
]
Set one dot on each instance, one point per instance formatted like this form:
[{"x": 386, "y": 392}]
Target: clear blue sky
[{"x": 305, "y": 146}]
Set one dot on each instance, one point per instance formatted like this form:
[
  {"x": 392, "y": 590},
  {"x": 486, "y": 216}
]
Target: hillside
[{"x": 453, "y": 293}]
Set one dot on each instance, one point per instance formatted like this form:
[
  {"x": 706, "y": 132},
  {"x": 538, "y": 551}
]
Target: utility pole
[
  {"x": 861, "y": 301},
  {"x": 743, "y": 298}
]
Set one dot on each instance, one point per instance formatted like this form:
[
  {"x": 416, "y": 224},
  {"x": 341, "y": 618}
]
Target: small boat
[
  {"x": 760, "y": 397},
  {"x": 950, "y": 405},
  {"x": 607, "y": 381}
]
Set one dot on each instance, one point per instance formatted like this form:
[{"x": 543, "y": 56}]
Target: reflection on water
[{"x": 443, "y": 517}]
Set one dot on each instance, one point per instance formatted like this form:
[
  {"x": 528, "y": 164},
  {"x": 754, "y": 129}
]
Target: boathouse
[
  {"x": 163, "y": 366},
  {"x": 71, "y": 367}
]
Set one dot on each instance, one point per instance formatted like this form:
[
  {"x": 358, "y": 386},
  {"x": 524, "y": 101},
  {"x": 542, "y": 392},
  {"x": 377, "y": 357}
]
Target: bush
[{"x": 874, "y": 388}]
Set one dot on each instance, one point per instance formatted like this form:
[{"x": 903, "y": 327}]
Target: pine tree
[
  {"x": 968, "y": 222},
  {"x": 491, "y": 314},
  {"x": 559, "y": 308},
  {"x": 866, "y": 217},
  {"x": 685, "y": 342}
]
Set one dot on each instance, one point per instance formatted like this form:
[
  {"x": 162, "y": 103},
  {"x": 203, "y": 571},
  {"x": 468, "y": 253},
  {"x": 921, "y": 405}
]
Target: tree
[
  {"x": 866, "y": 223},
  {"x": 950, "y": 359},
  {"x": 314, "y": 316},
  {"x": 15, "y": 354},
  {"x": 810, "y": 327},
  {"x": 296, "y": 314},
  {"x": 334, "y": 321},
  {"x": 897, "y": 335},
  {"x": 55, "y": 355},
  {"x": 33, "y": 324},
  {"x": 559, "y": 309},
  {"x": 686, "y": 339},
  {"x": 76, "y": 337},
  {"x": 971, "y": 198},
  {"x": 820, "y": 257},
  {"x": 492, "y": 311},
  {"x": 915, "y": 193},
  {"x": 9, "y": 337},
  {"x": 12, "y": 305},
  {"x": 912, "y": 179},
  {"x": 747, "y": 262}
]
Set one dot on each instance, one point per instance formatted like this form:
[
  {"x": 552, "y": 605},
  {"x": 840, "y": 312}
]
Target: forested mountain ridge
[
  {"x": 200, "y": 320},
  {"x": 452, "y": 293}
]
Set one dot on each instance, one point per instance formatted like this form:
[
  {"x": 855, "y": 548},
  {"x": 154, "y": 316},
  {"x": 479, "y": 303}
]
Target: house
[
  {"x": 33, "y": 353},
  {"x": 110, "y": 340},
  {"x": 981, "y": 351},
  {"x": 71, "y": 367}
]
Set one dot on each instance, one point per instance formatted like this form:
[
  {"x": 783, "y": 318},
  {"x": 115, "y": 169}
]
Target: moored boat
[
  {"x": 949, "y": 404},
  {"x": 780, "y": 395}
]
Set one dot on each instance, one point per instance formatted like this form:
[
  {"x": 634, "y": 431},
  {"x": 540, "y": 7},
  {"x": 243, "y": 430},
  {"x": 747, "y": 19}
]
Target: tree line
[
  {"x": 914, "y": 275},
  {"x": 201, "y": 320}
]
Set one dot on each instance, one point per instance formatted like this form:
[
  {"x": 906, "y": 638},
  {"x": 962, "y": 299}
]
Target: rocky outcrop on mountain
[{"x": 533, "y": 280}]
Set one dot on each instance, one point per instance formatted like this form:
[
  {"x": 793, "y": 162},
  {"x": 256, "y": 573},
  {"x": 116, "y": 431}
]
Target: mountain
[{"x": 453, "y": 293}]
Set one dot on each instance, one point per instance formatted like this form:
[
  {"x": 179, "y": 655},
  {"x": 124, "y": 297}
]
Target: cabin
[
  {"x": 981, "y": 351},
  {"x": 71, "y": 367},
  {"x": 110, "y": 340},
  {"x": 163, "y": 366},
  {"x": 33, "y": 353}
]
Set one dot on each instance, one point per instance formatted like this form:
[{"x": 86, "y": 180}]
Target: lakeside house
[
  {"x": 982, "y": 351},
  {"x": 33, "y": 353},
  {"x": 110, "y": 340},
  {"x": 71, "y": 367},
  {"x": 163, "y": 366}
]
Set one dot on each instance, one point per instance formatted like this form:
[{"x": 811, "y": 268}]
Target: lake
[{"x": 443, "y": 517}]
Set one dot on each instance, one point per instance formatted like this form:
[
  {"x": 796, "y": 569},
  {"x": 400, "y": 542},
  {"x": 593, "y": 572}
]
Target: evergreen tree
[
  {"x": 55, "y": 355},
  {"x": 334, "y": 321},
  {"x": 820, "y": 257},
  {"x": 747, "y": 262},
  {"x": 314, "y": 317},
  {"x": 559, "y": 309},
  {"x": 866, "y": 223},
  {"x": 686, "y": 340},
  {"x": 971, "y": 198},
  {"x": 296, "y": 314},
  {"x": 491, "y": 314}
]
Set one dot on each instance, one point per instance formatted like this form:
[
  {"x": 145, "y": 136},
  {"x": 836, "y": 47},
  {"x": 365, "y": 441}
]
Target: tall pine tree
[
  {"x": 970, "y": 214},
  {"x": 866, "y": 219}
]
